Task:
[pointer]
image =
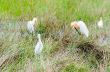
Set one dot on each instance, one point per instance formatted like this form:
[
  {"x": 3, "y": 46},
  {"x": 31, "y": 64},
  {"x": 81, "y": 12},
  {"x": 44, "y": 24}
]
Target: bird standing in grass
[
  {"x": 102, "y": 36},
  {"x": 30, "y": 25},
  {"x": 81, "y": 26},
  {"x": 100, "y": 23},
  {"x": 39, "y": 45}
]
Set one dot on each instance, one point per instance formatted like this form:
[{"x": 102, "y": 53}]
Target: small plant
[
  {"x": 73, "y": 68},
  {"x": 41, "y": 28}
]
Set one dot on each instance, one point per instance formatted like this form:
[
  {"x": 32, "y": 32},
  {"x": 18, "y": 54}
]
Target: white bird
[
  {"x": 30, "y": 25},
  {"x": 81, "y": 26},
  {"x": 39, "y": 45},
  {"x": 100, "y": 23}
]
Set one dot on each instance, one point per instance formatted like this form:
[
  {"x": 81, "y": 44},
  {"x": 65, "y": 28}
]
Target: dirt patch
[
  {"x": 91, "y": 48},
  {"x": 8, "y": 58}
]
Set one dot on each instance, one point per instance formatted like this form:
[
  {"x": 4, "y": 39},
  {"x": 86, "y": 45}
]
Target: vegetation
[{"x": 64, "y": 50}]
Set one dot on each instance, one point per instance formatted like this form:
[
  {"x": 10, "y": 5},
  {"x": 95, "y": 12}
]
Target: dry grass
[{"x": 64, "y": 50}]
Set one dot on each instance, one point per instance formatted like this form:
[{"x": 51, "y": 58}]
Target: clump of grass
[
  {"x": 50, "y": 47},
  {"x": 91, "y": 48},
  {"x": 41, "y": 28},
  {"x": 58, "y": 38},
  {"x": 74, "y": 68},
  {"x": 108, "y": 69}
]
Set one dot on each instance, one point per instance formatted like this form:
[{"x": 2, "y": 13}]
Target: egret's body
[
  {"x": 81, "y": 26},
  {"x": 39, "y": 45},
  {"x": 30, "y": 25},
  {"x": 100, "y": 23}
]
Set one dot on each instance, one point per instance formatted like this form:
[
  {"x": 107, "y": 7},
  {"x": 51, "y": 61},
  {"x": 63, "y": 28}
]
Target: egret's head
[
  {"x": 35, "y": 19},
  {"x": 75, "y": 25}
]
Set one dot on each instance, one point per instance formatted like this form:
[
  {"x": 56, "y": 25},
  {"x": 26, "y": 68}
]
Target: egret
[
  {"x": 81, "y": 26},
  {"x": 30, "y": 25},
  {"x": 39, "y": 45},
  {"x": 100, "y": 23}
]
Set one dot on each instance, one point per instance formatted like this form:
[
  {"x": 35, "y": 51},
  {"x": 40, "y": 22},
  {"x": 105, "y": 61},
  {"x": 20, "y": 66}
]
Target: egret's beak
[{"x": 77, "y": 31}]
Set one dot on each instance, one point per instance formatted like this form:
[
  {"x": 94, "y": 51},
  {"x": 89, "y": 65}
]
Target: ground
[{"x": 64, "y": 50}]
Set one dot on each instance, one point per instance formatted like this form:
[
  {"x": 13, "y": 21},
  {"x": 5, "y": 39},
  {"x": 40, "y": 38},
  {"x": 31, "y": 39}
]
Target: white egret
[
  {"x": 30, "y": 25},
  {"x": 39, "y": 45},
  {"x": 100, "y": 23},
  {"x": 81, "y": 26}
]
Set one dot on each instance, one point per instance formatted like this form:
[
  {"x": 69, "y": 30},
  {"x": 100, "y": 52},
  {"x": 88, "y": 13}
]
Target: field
[{"x": 64, "y": 50}]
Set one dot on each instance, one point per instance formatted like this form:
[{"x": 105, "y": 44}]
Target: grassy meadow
[{"x": 64, "y": 50}]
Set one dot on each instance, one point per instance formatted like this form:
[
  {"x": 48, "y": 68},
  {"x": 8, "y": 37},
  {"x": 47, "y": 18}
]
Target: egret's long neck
[
  {"x": 39, "y": 38},
  {"x": 33, "y": 21}
]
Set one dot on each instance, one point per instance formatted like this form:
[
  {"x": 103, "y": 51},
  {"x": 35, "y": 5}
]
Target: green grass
[
  {"x": 64, "y": 10},
  {"x": 73, "y": 68},
  {"x": 60, "y": 41}
]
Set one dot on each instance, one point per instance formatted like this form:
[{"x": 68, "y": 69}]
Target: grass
[
  {"x": 60, "y": 41},
  {"x": 73, "y": 68}
]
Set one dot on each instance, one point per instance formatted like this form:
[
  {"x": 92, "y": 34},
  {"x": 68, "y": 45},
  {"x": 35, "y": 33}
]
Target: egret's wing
[
  {"x": 83, "y": 28},
  {"x": 38, "y": 48},
  {"x": 30, "y": 27}
]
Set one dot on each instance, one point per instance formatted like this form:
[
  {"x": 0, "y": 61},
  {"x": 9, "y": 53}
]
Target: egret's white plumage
[
  {"x": 39, "y": 45},
  {"x": 100, "y": 23},
  {"x": 81, "y": 26},
  {"x": 30, "y": 25}
]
